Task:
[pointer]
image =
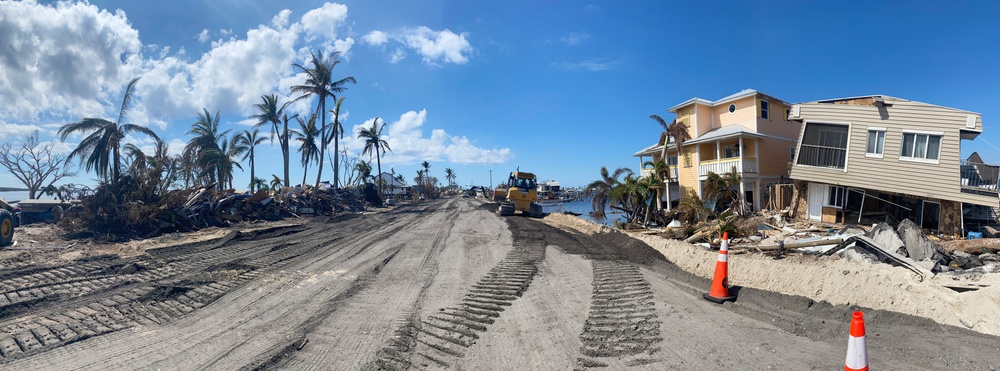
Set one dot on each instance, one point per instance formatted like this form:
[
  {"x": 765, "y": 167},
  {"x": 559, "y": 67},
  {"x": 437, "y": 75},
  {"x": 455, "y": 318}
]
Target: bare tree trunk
[{"x": 322, "y": 139}]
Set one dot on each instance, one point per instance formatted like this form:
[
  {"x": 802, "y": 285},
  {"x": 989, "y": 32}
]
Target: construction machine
[
  {"x": 10, "y": 217},
  {"x": 522, "y": 195}
]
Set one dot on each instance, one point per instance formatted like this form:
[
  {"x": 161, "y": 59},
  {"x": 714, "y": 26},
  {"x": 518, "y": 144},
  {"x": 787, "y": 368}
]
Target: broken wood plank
[{"x": 795, "y": 245}]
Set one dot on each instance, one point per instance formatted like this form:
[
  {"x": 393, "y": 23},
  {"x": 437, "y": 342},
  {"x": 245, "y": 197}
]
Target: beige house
[
  {"x": 748, "y": 131},
  {"x": 880, "y": 158}
]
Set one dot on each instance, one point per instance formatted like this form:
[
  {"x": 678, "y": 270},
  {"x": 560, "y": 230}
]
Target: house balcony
[
  {"x": 672, "y": 170},
  {"x": 725, "y": 165},
  {"x": 980, "y": 178},
  {"x": 822, "y": 156}
]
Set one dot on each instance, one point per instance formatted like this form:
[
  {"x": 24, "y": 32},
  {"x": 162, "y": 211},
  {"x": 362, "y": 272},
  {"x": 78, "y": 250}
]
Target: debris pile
[{"x": 123, "y": 215}]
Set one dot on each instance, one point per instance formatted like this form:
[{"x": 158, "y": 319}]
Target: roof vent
[{"x": 970, "y": 122}]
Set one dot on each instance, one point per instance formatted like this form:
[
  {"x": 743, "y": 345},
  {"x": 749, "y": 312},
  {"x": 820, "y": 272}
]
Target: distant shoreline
[{"x": 5, "y": 189}]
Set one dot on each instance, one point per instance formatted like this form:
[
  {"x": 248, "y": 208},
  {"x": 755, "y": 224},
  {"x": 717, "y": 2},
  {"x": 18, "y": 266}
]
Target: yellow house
[{"x": 748, "y": 131}]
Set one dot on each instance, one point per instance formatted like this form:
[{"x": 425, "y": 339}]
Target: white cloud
[
  {"x": 435, "y": 47},
  {"x": 375, "y": 38},
  {"x": 203, "y": 36},
  {"x": 59, "y": 58},
  {"x": 574, "y": 38},
  {"x": 281, "y": 19},
  {"x": 593, "y": 65},
  {"x": 13, "y": 132},
  {"x": 592, "y": 8},
  {"x": 397, "y": 55},
  {"x": 324, "y": 21},
  {"x": 175, "y": 146},
  {"x": 409, "y": 145}
]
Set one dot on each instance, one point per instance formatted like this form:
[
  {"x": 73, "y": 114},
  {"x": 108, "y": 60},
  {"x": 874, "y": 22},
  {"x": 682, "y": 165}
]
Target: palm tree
[
  {"x": 105, "y": 138},
  {"x": 319, "y": 82},
  {"x": 601, "y": 189},
  {"x": 375, "y": 142},
  {"x": 249, "y": 140},
  {"x": 677, "y": 129},
  {"x": 630, "y": 195},
  {"x": 223, "y": 160},
  {"x": 659, "y": 177},
  {"x": 364, "y": 169},
  {"x": 450, "y": 175},
  {"x": 307, "y": 144},
  {"x": 427, "y": 173},
  {"x": 206, "y": 148},
  {"x": 275, "y": 182},
  {"x": 269, "y": 112},
  {"x": 336, "y": 133}
]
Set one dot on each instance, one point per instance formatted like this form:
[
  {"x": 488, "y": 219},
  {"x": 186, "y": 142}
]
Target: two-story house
[
  {"x": 748, "y": 131},
  {"x": 880, "y": 158}
]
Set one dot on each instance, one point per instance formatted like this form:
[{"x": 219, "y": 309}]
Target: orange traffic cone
[
  {"x": 857, "y": 350},
  {"x": 720, "y": 283}
]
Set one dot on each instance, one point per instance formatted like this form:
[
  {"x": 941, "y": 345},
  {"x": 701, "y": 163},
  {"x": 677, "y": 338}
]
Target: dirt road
[{"x": 441, "y": 284}]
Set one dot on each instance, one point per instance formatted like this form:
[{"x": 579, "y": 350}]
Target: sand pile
[{"x": 831, "y": 279}]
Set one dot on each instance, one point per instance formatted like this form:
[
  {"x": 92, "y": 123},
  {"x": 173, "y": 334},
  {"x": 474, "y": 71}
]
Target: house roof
[
  {"x": 390, "y": 181},
  {"x": 726, "y": 132},
  {"x": 888, "y": 99},
  {"x": 739, "y": 95},
  {"x": 653, "y": 149}
]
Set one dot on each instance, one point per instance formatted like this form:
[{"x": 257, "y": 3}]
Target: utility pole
[{"x": 491, "y": 179}]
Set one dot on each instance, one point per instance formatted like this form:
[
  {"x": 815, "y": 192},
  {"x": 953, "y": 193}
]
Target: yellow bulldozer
[
  {"x": 10, "y": 217},
  {"x": 522, "y": 195}
]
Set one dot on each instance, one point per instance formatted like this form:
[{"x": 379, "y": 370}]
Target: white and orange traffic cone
[
  {"x": 857, "y": 350},
  {"x": 720, "y": 283}
]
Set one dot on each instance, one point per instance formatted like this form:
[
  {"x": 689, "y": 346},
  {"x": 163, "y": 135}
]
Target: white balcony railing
[
  {"x": 726, "y": 165},
  {"x": 673, "y": 173}
]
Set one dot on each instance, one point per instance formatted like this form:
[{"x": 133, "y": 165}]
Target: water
[
  {"x": 583, "y": 207},
  {"x": 21, "y": 196}
]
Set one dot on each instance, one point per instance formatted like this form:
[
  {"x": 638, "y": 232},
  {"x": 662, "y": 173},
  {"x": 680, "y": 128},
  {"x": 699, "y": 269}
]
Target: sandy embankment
[{"x": 831, "y": 279}]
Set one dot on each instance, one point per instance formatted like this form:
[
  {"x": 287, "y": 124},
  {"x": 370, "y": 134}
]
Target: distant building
[{"x": 392, "y": 186}]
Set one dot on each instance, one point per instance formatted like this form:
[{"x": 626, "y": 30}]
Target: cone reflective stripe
[
  {"x": 720, "y": 283},
  {"x": 857, "y": 349}
]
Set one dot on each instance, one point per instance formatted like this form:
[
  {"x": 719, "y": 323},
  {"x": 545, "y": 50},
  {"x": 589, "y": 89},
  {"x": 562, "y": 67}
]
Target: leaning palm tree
[
  {"x": 677, "y": 130},
  {"x": 307, "y": 144},
  {"x": 601, "y": 189},
  {"x": 270, "y": 112},
  {"x": 374, "y": 141},
  {"x": 364, "y": 170},
  {"x": 249, "y": 140},
  {"x": 629, "y": 196},
  {"x": 660, "y": 176},
  {"x": 105, "y": 139},
  {"x": 320, "y": 83},
  {"x": 449, "y": 175},
  {"x": 222, "y": 160}
]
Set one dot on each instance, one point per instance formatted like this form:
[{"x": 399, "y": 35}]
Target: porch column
[
  {"x": 666, "y": 194},
  {"x": 740, "y": 167},
  {"x": 756, "y": 195},
  {"x": 718, "y": 157},
  {"x": 743, "y": 193},
  {"x": 756, "y": 153}
]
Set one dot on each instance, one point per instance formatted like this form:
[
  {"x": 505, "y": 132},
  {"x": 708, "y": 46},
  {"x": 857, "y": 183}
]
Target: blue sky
[{"x": 559, "y": 88}]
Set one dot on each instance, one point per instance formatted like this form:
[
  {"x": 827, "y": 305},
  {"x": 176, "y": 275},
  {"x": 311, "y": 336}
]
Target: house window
[
  {"x": 788, "y": 113},
  {"x": 920, "y": 146},
  {"x": 732, "y": 108},
  {"x": 672, "y": 161},
  {"x": 824, "y": 145},
  {"x": 876, "y": 142},
  {"x": 730, "y": 151},
  {"x": 838, "y": 197},
  {"x": 791, "y": 153},
  {"x": 765, "y": 108}
]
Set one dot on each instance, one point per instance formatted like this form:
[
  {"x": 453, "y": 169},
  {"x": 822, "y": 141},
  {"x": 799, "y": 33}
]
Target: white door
[{"x": 817, "y": 193}]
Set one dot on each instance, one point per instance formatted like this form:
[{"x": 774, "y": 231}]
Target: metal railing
[
  {"x": 980, "y": 176},
  {"x": 822, "y": 156},
  {"x": 674, "y": 177},
  {"x": 726, "y": 165}
]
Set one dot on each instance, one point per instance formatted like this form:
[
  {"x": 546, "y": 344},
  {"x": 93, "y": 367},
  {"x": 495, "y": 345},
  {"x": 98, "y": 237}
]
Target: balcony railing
[
  {"x": 980, "y": 176},
  {"x": 726, "y": 165},
  {"x": 822, "y": 156},
  {"x": 673, "y": 173}
]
